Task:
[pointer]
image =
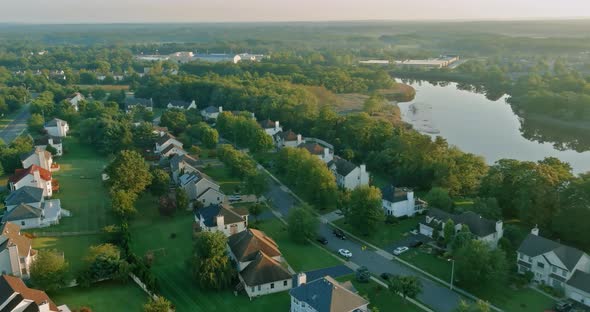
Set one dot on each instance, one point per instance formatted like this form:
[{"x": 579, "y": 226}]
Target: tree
[
  {"x": 373, "y": 104},
  {"x": 182, "y": 200},
  {"x": 167, "y": 205},
  {"x": 255, "y": 210},
  {"x": 302, "y": 224},
  {"x": 129, "y": 172},
  {"x": 175, "y": 120},
  {"x": 160, "y": 182},
  {"x": 103, "y": 262},
  {"x": 160, "y": 304},
  {"x": 212, "y": 266},
  {"x": 98, "y": 93},
  {"x": 449, "y": 231},
  {"x": 123, "y": 202},
  {"x": 461, "y": 238},
  {"x": 363, "y": 275},
  {"x": 256, "y": 183},
  {"x": 35, "y": 123},
  {"x": 406, "y": 286},
  {"x": 477, "y": 264},
  {"x": 364, "y": 211},
  {"x": 49, "y": 271},
  {"x": 51, "y": 149},
  {"x": 479, "y": 306},
  {"x": 439, "y": 197}
]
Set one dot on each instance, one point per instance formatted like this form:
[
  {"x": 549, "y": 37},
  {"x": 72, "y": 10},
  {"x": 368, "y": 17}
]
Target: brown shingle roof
[
  {"x": 11, "y": 232},
  {"x": 17, "y": 285},
  {"x": 288, "y": 135},
  {"x": 245, "y": 245},
  {"x": 313, "y": 148},
  {"x": 263, "y": 270}
]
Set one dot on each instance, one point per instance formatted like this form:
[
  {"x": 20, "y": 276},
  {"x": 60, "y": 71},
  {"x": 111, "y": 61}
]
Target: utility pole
[{"x": 452, "y": 271}]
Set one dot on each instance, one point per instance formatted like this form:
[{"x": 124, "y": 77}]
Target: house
[
  {"x": 202, "y": 188},
  {"x": 165, "y": 141},
  {"x": 271, "y": 127},
  {"x": 172, "y": 150},
  {"x": 49, "y": 140},
  {"x": 28, "y": 208},
  {"x": 482, "y": 229},
  {"x": 288, "y": 139},
  {"x": 15, "y": 296},
  {"x": 16, "y": 253},
  {"x": 325, "y": 295},
  {"x": 211, "y": 112},
  {"x": 348, "y": 175},
  {"x": 181, "y": 164},
  {"x": 33, "y": 176},
  {"x": 75, "y": 100},
  {"x": 400, "y": 201},
  {"x": 244, "y": 247},
  {"x": 57, "y": 128},
  {"x": 324, "y": 153},
  {"x": 557, "y": 265},
  {"x": 39, "y": 157},
  {"x": 29, "y": 195},
  {"x": 183, "y": 105},
  {"x": 133, "y": 102},
  {"x": 221, "y": 218},
  {"x": 265, "y": 275}
]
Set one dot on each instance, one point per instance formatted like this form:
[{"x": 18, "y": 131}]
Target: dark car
[
  {"x": 322, "y": 240},
  {"x": 338, "y": 233},
  {"x": 385, "y": 275},
  {"x": 563, "y": 306}
]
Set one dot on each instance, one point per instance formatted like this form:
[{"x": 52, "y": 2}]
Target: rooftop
[
  {"x": 10, "y": 236},
  {"x": 477, "y": 224},
  {"x": 343, "y": 167},
  {"x": 10, "y": 285},
  {"x": 245, "y": 245},
  {"x": 535, "y": 245},
  {"x": 26, "y": 194},
  {"x": 21, "y": 173},
  {"x": 395, "y": 194},
  {"x": 263, "y": 270},
  {"x": 209, "y": 214},
  {"x": 327, "y": 295}
]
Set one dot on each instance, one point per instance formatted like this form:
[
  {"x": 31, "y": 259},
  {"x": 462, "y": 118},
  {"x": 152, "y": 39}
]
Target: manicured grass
[
  {"x": 386, "y": 233},
  {"x": 380, "y": 297},
  {"x": 73, "y": 247},
  {"x": 106, "y": 296},
  {"x": 379, "y": 180},
  {"x": 220, "y": 174},
  {"x": 299, "y": 257},
  {"x": 430, "y": 263}
]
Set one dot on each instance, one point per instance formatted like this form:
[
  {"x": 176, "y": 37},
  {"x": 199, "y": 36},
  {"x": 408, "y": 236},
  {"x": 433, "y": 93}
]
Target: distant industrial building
[
  {"x": 185, "y": 57},
  {"x": 440, "y": 62},
  {"x": 375, "y": 62}
]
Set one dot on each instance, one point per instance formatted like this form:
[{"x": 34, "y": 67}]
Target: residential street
[
  {"x": 16, "y": 127},
  {"x": 434, "y": 295}
]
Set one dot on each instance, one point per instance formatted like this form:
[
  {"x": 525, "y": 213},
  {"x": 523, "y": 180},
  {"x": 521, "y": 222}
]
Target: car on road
[
  {"x": 345, "y": 253},
  {"x": 338, "y": 233},
  {"x": 385, "y": 275},
  {"x": 400, "y": 250},
  {"x": 563, "y": 306},
  {"x": 322, "y": 240}
]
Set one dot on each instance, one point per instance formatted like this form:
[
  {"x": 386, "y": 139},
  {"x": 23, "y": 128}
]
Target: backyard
[
  {"x": 221, "y": 174},
  {"x": 105, "y": 296}
]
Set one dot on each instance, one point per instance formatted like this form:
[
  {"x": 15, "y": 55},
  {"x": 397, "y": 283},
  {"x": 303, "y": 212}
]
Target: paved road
[
  {"x": 16, "y": 127},
  {"x": 434, "y": 295}
]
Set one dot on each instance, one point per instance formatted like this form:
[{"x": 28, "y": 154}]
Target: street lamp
[{"x": 452, "y": 271}]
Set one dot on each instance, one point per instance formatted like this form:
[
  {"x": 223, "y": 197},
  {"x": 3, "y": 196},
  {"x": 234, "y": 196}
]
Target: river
[{"x": 485, "y": 127}]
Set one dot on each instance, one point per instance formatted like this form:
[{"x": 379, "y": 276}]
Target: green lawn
[
  {"x": 103, "y": 297},
  {"x": 387, "y": 233},
  {"x": 299, "y": 257},
  {"x": 432, "y": 264},
  {"x": 73, "y": 247},
  {"x": 227, "y": 182},
  {"x": 380, "y": 297}
]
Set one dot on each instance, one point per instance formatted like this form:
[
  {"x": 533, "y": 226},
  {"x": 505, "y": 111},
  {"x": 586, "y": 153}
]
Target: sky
[{"x": 160, "y": 11}]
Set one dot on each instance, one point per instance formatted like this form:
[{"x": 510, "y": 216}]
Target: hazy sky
[{"x": 107, "y": 11}]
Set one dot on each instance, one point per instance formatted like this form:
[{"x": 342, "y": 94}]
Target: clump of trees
[
  {"x": 49, "y": 271},
  {"x": 406, "y": 286},
  {"x": 302, "y": 224},
  {"x": 244, "y": 131},
  {"x": 159, "y": 304},
  {"x": 103, "y": 262},
  {"x": 212, "y": 266},
  {"x": 363, "y": 211},
  {"x": 129, "y": 175}
]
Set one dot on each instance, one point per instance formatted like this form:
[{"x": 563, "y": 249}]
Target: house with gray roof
[
  {"x": 482, "y": 229},
  {"x": 221, "y": 218},
  {"x": 57, "y": 128},
  {"x": 133, "y": 102},
  {"x": 49, "y": 140},
  {"x": 211, "y": 112},
  {"x": 25, "y": 195},
  {"x": 400, "y": 201},
  {"x": 200, "y": 187},
  {"x": 348, "y": 175},
  {"x": 183, "y": 163},
  {"x": 557, "y": 265},
  {"x": 325, "y": 295}
]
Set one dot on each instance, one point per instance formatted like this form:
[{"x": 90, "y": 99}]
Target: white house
[
  {"x": 16, "y": 254},
  {"x": 288, "y": 139},
  {"x": 33, "y": 176},
  {"x": 75, "y": 100},
  {"x": 181, "y": 164},
  {"x": 325, "y": 295},
  {"x": 28, "y": 208},
  {"x": 557, "y": 265},
  {"x": 133, "y": 102},
  {"x": 179, "y": 104},
  {"x": 271, "y": 127},
  {"x": 201, "y": 188},
  {"x": 211, "y": 112},
  {"x": 221, "y": 218},
  {"x": 48, "y": 140},
  {"x": 348, "y": 175},
  {"x": 15, "y": 296},
  {"x": 482, "y": 229},
  {"x": 324, "y": 153},
  {"x": 172, "y": 150},
  {"x": 38, "y": 157},
  {"x": 57, "y": 128},
  {"x": 399, "y": 202},
  {"x": 166, "y": 140}
]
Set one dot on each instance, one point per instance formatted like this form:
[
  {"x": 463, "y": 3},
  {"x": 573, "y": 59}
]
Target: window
[
  {"x": 272, "y": 285},
  {"x": 253, "y": 289},
  {"x": 540, "y": 265},
  {"x": 554, "y": 269},
  {"x": 284, "y": 283},
  {"x": 258, "y": 287},
  {"x": 22, "y": 223}
]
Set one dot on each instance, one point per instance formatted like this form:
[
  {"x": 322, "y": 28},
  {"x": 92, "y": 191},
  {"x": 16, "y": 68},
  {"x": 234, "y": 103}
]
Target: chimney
[
  {"x": 363, "y": 168},
  {"x": 499, "y": 226},
  {"x": 301, "y": 279},
  {"x": 327, "y": 154},
  {"x": 221, "y": 109},
  {"x": 220, "y": 220},
  {"x": 535, "y": 230},
  {"x": 277, "y": 125},
  {"x": 299, "y": 139}
]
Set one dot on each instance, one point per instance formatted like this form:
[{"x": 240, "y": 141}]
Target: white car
[
  {"x": 400, "y": 250},
  {"x": 345, "y": 253}
]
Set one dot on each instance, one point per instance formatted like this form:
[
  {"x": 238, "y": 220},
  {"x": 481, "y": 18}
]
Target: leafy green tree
[
  {"x": 167, "y": 205},
  {"x": 373, "y": 104},
  {"x": 477, "y": 264},
  {"x": 175, "y": 120},
  {"x": 439, "y": 197},
  {"x": 49, "y": 271},
  {"x": 51, "y": 149},
  {"x": 208, "y": 136},
  {"x": 449, "y": 231},
  {"x": 255, "y": 210},
  {"x": 129, "y": 172},
  {"x": 182, "y": 199},
  {"x": 362, "y": 274},
  {"x": 123, "y": 202},
  {"x": 212, "y": 266},
  {"x": 104, "y": 261},
  {"x": 406, "y": 286},
  {"x": 302, "y": 225},
  {"x": 98, "y": 93},
  {"x": 160, "y": 182},
  {"x": 159, "y": 304},
  {"x": 256, "y": 184},
  {"x": 461, "y": 238},
  {"x": 35, "y": 123},
  {"x": 365, "y": 211}
]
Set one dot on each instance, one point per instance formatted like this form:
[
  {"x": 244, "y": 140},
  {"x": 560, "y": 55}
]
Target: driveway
[
  {"x": 16, "y": 127},
  {"x": 408, "y": 241},
  {"x": 436, "y": 296}
]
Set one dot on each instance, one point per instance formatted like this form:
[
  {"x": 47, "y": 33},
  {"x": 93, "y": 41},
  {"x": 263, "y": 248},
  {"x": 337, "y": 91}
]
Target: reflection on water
[{"x": 487, "y": 126}]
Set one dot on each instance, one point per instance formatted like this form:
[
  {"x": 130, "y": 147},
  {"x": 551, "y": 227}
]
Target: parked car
[
  {"x": 345, "y": 253},
  {"x": 385, "y": 275},
  {"x": 338, "y": 233},
  {"x": 400, "y": 250},
  {"x": 322, "y": 240},
  {"x": 233, "y": 198},
  {"x": 563, "y": 306}
]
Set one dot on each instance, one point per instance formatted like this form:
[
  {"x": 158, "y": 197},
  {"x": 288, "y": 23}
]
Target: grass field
[
  {"x": 103, "y": 297},
  {"x": 387, "y": 234},
  {"x": 221, "y": 174}
]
